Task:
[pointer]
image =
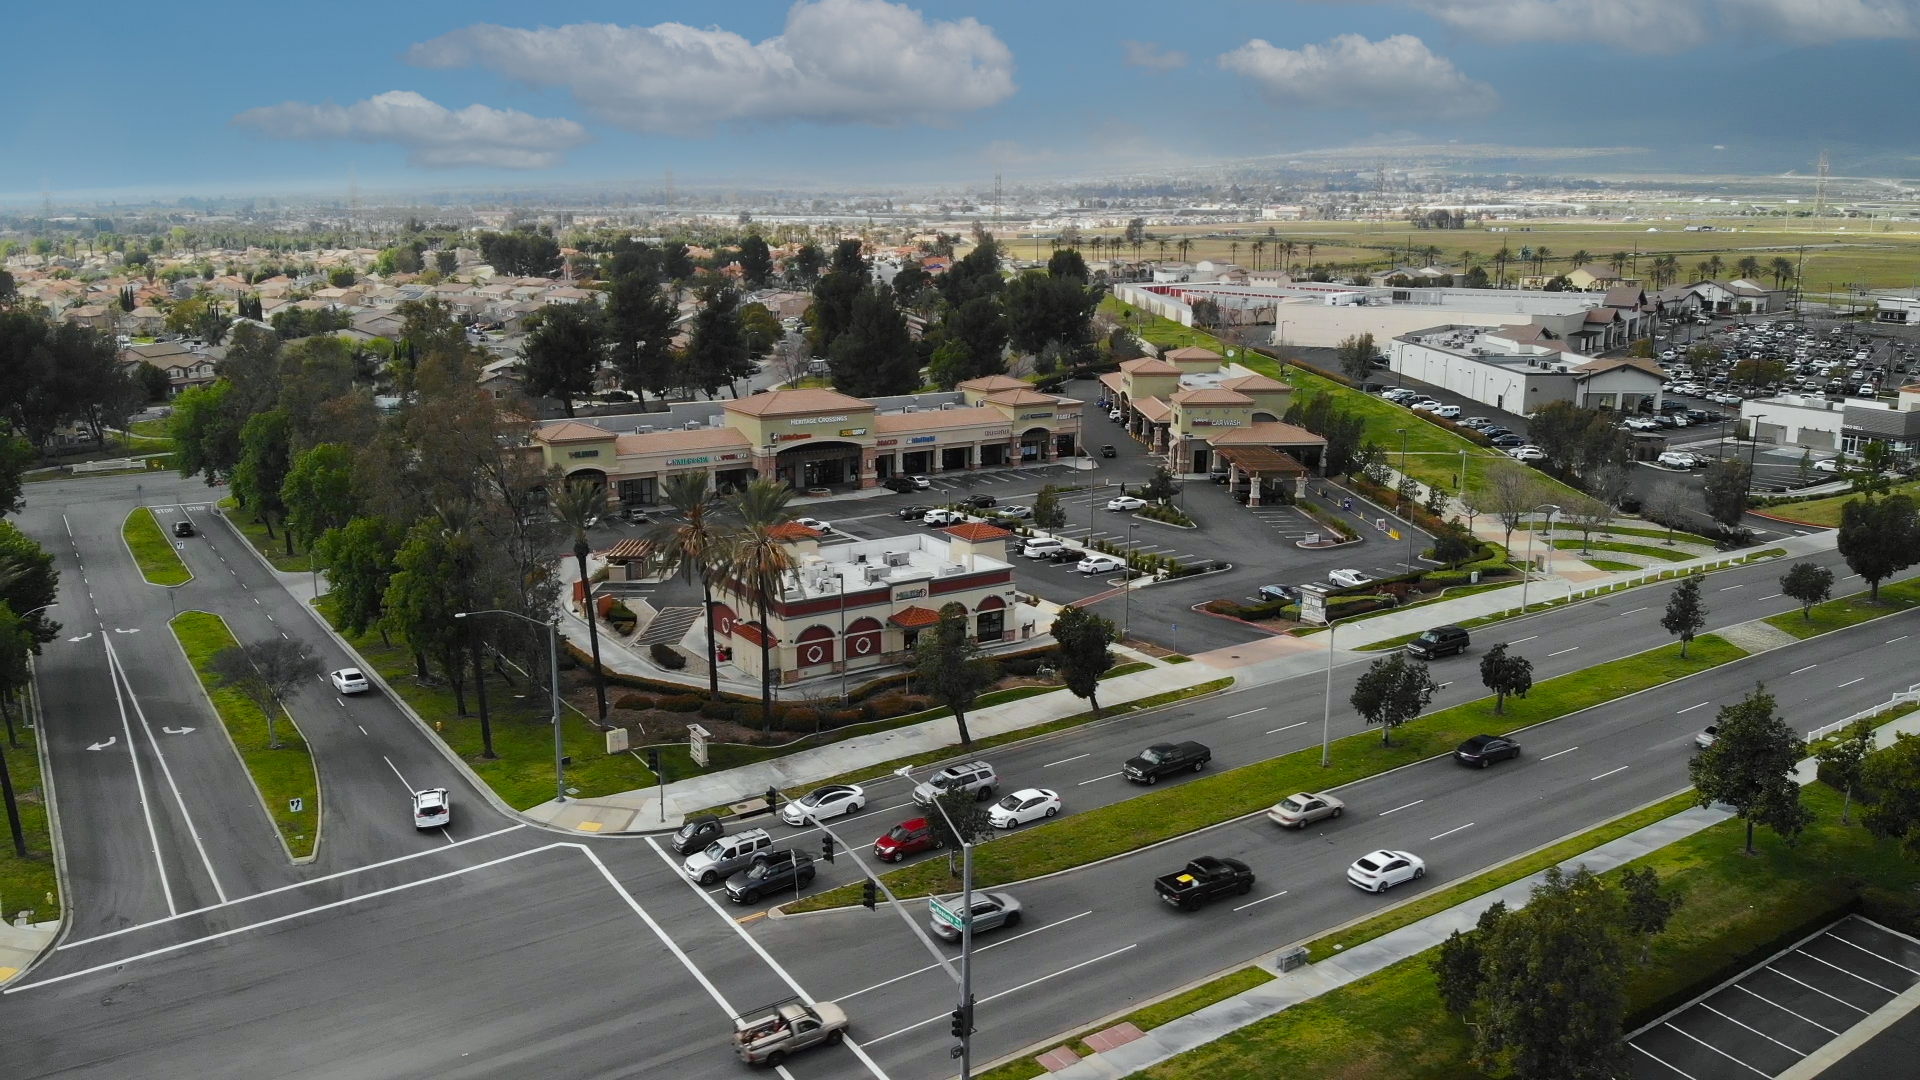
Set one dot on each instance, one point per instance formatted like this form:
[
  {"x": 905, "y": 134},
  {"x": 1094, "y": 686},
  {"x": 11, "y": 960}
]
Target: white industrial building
[
  {"x": 1519, "y": 369},
  {"x": 1847, "y": 425}
]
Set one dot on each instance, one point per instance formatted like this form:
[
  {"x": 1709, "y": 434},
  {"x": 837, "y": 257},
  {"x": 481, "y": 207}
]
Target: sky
[{"x": 148, "y": 99}]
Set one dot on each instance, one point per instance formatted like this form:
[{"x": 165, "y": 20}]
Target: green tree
[
  {"x": 1506, "y": 674},
  {"x": 762, "y": 328},
  {"x": 1159, "y": 487},
  {"x": 640, "y": 326},
  {"x": 833, "y": 296},
  {"x": 1686, "y": 613},
  {"x": 1879, "y": 538},
  {"x": 15, "y": 644},
  {"x": 317, "y": 493},
  {"x": 446, "y": 262},
  {"x": 206, "y": 436},
  {"x": 1645, "y": 908},
  {"x": 949, "y": 665},
  {"x": 717, "y": 352},
  {"x": 1552, "y": 990},
  {"x": 1893, "y": 775},
  {"x": 265, "y": 458},
  {"x": 1750, "y": 768},
  {"x": 756, "y": 262},
  {"x": 1048, "y": 309},
  {"x": 1843, "y": 760},
  {"x": 359, "y": 559},
  {"x": 1808, "y": 582},
  {"x": 424, "y": 594},
  {"x": 1085, "y": 641},
  {"x": 577, "y": 505},
  {"x": 1456, "y": 963},
  {"x": 1872, "y": 475},
  {"x": 1392, "y": 691},
  {"x": 29, "y": 582},
  {"x": 1726, "y": 484},
  {"x": 1356, "y": 355},
  {"x": 1047, "y": 511},
  {"x": 154, "y": 382},
  {"x": 266, "y": 671},
  {"x": 757, "y": 562},
  {"x": 950, "y": 365},
  {"x": 564, "y": 352},
  {"x": 873, "y": 356},
  {"x": 692, "y": 546}
]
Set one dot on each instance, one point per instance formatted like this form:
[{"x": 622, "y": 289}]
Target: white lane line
[
  {"x": 1262, "y": 900},
  {"x": 1450, "y": 832},
  {"x": 1635, "y": 611},
  {"x": 140, "y": 786},
  {"x": 1249, "y": 712},
  {"x": 1850, "y": 682},
  {"x": 1730, "y": 588},
  {"x": 1004, "y": 993},
  {"x": 1289, "y": 727},
  {"x": 1890, "y": 641},
  {"x": 1557, "y": 753},
  {"x": 1798, "y": 670},
  {"x": 983, "y": 948},
  {"x": 1063, "y": 761},
  {"x": 1636, "y": 1045},
  {"x": 1517, "y": 641},
  {"x": 753, "y": 944},
  {"x": 396, "y": 772},
  {"x": 113, "y": 660},
  {"x": 363, "y": 731},
  {"x": 1772, "y": 596},
  {"x": 340, "y": 703},
  {"x": 1690, "y": 708},
  {"x": 1397, "y": 809},
  {"x": 1610, "y": 772},
  {"x": 1563, "y": 652},
  {"x": 1097, "y": 779}
]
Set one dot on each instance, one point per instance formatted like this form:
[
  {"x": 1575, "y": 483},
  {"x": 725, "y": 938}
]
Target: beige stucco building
[{"x": 1190, "y": 403}]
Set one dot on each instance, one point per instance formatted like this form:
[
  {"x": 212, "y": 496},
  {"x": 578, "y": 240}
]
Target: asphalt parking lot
[{"x": 1781, "y": 1012}]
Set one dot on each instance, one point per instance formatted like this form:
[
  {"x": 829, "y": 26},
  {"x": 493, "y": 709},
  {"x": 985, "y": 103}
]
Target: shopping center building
[{"x": 816, "y": 439}]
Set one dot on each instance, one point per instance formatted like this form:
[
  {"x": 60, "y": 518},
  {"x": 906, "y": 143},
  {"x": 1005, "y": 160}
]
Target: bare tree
[
  {"x": 1587, "y": 513},
  {"x": 265, "y": 672},
  {"x": 1669, "y": 505},
  {"x": 1608, "y": 483},
  {"x": 1510, "y": 495}
]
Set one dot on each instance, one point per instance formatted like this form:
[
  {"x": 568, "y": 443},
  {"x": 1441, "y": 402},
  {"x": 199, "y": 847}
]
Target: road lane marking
[
  {"x": 1004, "y": 993},
  {"x": 153, "y": 834},
  {"x": 1262, "y": 900},
  {"x": 1517, "y": 641},
  {"x": 396, "y": 772},
  {"x": 363, "y": 731},
  {"x": 1798, "y": 670},
  {"x": 1557, "y": 753},
  {"x": 1772, "y": 596},
  {"x": 1289, "y": 727},
  {"x": 1450, "y": 832},
  {"x": 1890, "y": 641},
  {"x": 1563, "y": 652},
  {"x": 1063, "y": 761},
  {"x": 983, "y": 948},
  {"x": 1635, "y": 611},
  {"x": 1610, "y": 772},
  {"x": 1690, "y": 708},
  {"x": 1850, "y": 682},
  {"x": 1249, "y": 712},
  {"x": 1097, "y": 779},
  {"x": 193, "y": 830},
  {"x": 1397, "y": 809},
  {"x": 1730, "y": 588}
]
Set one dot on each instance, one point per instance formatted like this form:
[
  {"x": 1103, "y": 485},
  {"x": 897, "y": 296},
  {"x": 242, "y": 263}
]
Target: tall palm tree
[
  {"x": 1579, "y": 259},
  {"x": 1540, "y": 257},
  {"x": 1286, "y": 253},
  {"x": 1749, "y": 266},
  {"x": 1310, "y": 246},
  {"x": 1258, "y": 246},
  {"x": 1704, "y": 269},
  {"x": 1500, "y": 260},
  {"x": 758, "y": 562},
  {"x": 1233, "y": 252},
  {"x": 1782, "y": 270},
  {"x": 1163, "y": 248},
  {"x": 1186, "y": 247},
  {"x": 693, "y": 548},
  {"x": 1715, "y": 264},
  {"x": 577, "y": 505},
  {"x": 1618, "y": 260},
  {"x": 1432, "y": 253}
]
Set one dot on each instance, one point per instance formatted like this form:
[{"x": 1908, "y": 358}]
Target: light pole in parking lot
[
  {"x": 1526, "y": 574},
  {"x": 553, "y": 669}
]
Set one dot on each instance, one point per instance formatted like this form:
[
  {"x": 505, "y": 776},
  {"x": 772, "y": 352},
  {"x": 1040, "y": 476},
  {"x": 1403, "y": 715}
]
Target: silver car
[
  {"x": 990, "y": 910},
  {"x": 1299, "y": 811}
]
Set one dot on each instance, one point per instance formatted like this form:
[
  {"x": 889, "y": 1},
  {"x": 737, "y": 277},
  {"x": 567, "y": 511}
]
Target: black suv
[
  {"x": 1437, "y": 642},
  {"x": 901, "y": 484},
  {"x": 773, "y": 872},
  {"x": 981, "y": 501}
]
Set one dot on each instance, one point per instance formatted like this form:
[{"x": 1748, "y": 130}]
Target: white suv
[
  {"x": 975, "y": 776},
  {"x": 1040, "y": 546}
]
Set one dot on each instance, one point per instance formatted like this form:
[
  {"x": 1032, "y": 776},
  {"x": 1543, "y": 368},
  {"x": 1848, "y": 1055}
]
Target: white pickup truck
[{"x": 767, "y": 1035}]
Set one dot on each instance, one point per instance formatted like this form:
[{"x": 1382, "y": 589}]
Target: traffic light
[
  {"x": 653, "y": 760},
  {"x": 869, "y": 894},
  {"x": 773, "y": 799},
  {"x": 962, "y": 1024},
  {"x": 826, "y": 848}
]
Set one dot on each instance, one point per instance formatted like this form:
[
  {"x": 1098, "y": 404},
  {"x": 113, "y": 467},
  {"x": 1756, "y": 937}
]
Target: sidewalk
[
  {"x": 1222, "y": 1018},
  {"x": 633, "y": 811}
]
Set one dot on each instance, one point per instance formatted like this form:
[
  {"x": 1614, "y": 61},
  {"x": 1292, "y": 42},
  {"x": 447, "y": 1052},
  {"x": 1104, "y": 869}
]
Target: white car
[
  {"x": 432, "y": 809},
  {"x": 1445, "y": 412},
  {"x": 815, "y": 524},
  {"x": 834, "y": 800},
  {"x": 349, "y": 680},
  {"x": 1827, "y": 465},
  {"x": 1027, "y": 804},
  {"x": 1099, "y": 564},
  {"x": 942, "y": 517},
  {"x": 1015, "y": 510},
  {"x": 1527, "y": 453},
  {"x": 1676, "y": 459},
  {"x": 1126, "y": 502},
  {"x": 1347, "y": 579},
  {"x": 1378, "y": 871},
  {"x": 921, "y": 482},
  {"x": 1041, "y": 545}
]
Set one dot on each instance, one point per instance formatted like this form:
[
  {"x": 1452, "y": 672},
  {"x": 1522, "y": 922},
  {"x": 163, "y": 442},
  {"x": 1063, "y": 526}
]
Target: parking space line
[
  {"x": 1871, "y": 953},
  {"x": 1815, "y": 989},
  {"x": 1719, "y": 1051},
  {"x": 1844, "y": 971},
  {"x": 1756, "y": 1031},
  {"x": 1743, "y": 988},
  {"x": 1636, "y": 1045}
]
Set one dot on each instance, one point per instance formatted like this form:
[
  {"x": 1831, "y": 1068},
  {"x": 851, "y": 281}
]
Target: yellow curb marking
[{"x": 590, "y": 826}]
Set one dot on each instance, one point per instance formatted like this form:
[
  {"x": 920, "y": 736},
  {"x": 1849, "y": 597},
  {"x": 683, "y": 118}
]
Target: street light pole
[
  {"x": 1126, "y": 583},
  {"x": 966, "y": 931},
  {"x": 1526, "y": 575},
  {"x": 841, "y": 577},
  {"x": 1326, "y": 712},
  {"x": 553, "y": 691}
]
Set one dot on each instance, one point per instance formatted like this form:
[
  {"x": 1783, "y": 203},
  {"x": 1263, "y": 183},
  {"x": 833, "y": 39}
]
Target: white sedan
[
  {"x": 834, "y": 800},
  {"x": 1827, "y": 465},
  {"x": 1099, "y": 564},
  {"x": 1126, "y": 502},
  {"x": 814, "y": 523},
  {"x": 349, "y": 681},
  {"x": 1379, "y": 871},
  {"x": 1347, "y": 579},
  {"x": 1027, "y": 804},
  {"x": 1527, "y": 453}
]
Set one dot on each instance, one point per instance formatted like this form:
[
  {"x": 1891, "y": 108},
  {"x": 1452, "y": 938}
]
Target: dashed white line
[
  {"x": 1262, "y": 900},
  {"x": 363, "y": 731},
  {"x": 1397, "y": 809},
  {"x": 1517, "y": 641},
  {"x": 1557, "y": 753},
  {"x": 1450, "y": 832},
  {"x": 1890, "y": 641},
  {"x": 1730, "y": 588},
  {"x": 1610, "y": 772},
  {"x": 1289, "y": 727},
  {"x": 1063, "y": 761},
  {"x": 1798, "y": 670},
  {"x": 1772, "y": 596},
  {"x": 1249, "y": 712},
  {"x": 1635, "y": 611},
  {"x": 1563, "y": 652},
  {"x": 1690, "y": 708},
  {"x": 1097, "y": 779},
  {"x": 1850, "y": 682}
]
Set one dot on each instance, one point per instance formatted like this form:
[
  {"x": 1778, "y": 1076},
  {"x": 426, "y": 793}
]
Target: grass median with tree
[
  {"x": 30, "y": 882},
  {"x": 1844, "y": 611},
  {"x": 159, "y": 563},
  {"x": 281, "y": 773},
  {"x": 1161, "y": 815},
  {"x": 1643, "y": 550},
  {"x": 260, "y": 533}
]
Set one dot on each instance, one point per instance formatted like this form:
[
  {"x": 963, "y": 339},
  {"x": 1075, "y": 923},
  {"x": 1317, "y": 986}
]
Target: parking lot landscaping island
[
  {"x": 281, "y": 774},
  {"x": 159, "y": 563}
]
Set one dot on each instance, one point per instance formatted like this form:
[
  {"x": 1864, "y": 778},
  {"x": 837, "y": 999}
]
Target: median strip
[{"x": 151, "y": 550}]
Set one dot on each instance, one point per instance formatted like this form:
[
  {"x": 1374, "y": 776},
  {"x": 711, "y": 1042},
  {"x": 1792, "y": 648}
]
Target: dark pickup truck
[
  {"x": 1156, "y": 761},
  {"x": 1204, "y": 878}
]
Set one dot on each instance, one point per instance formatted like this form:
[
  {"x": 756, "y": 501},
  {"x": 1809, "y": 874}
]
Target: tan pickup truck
[{"x": 765, "y": 1036}]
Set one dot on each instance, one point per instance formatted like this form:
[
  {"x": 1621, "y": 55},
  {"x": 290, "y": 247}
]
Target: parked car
[
  {"x": 696, "y": 833},
  {"x": 910, "y": 837},
  {"x": 921, "y": 482},
  {"x": 1507, "y": 441},
  {"x": 834, "y": 800},
  {"x": 432, "y": 808},
  {"x": 1027, "y": 804},
  {"x": 1483, "y": 750},
  {"x": 1675, "y": 459},
  {"x": 815, "y": 524},
  {"x": 1099, "y": 564},
  {"x": 1348, "y": 579},
  {"x": 1827, "y": 465},
  {"x": 1016, "y": 510},
  {"x": 1041, "y": 546},
  {"x": 940, "y": 517},
  {"x": 901, "y": 484},
  {"x": 1126, "y": 502},
  {"x": 786, "y": 870},
  {"x": 1446, "y": 412},
  {"x": 1379, "y": 871},
  {"x": 1108, "y": 451},
  {"x": 767, "y": 1035},
  {"x": 349, "y": 680},
  {"x": 183, "y": 528},
  {"x": 914, "y": 513},
  {"x": 1299, "y": 811},
  {"x": 990, "y": 911},
  {"x": 1286, "y": 593},
  {"x": 976, "y": 777},
  {"x": 1439, "y": 641},
  {"x": 981, "y": 500},
  {"x": 1065, "y": 554},
  {"x": 1162, "y": 759},
  {"x": 1528, "y": 453},
  {"x": 1202, "y": 880},
  {"x": 725, "y": 855}
]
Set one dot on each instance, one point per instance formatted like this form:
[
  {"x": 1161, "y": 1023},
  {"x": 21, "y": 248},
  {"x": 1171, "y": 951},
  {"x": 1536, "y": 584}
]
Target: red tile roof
[
  {"x": 976, "y": 532},
  {"x": 792, "y": 530},
  {"x": 913, "y": 618}
]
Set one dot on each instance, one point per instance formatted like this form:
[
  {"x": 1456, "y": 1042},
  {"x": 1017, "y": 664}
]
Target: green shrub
[
  {"x": 682, "y": 703},
  {"x": 635, "y": 701},
  {"x": 843, "y": 717},
  {"x": 719, "y": 710},
  {"x": 666, "y": 656}
]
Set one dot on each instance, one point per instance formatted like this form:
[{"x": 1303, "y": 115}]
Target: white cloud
[
  {"x": 1669, "y": 26},
  {"x": 1147, "y": 54},
  {"x": 434, "y": 135},
  {"x": 1398, "y": 75},
  {"x": 1820, "y": 21},
  {"x": 838, "y": 61}
]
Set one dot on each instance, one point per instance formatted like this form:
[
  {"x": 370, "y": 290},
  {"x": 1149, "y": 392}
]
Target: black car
[
  {"x": 1439, "y": 641},
  {"x": 913, "y": 513},
  {"x": 1065, "y": 554},
  {"x": 697, "y": 833},
  {"x": 1108, "y": 451},
  {"x": 981, "y": 501},
  {"x": 183, "y": 528},
  {"x": 1160, "y": 759},
  {"x": 1484, "y": 750},
  {"x": 1508, "y": 440},
  {"x": 901, "y": 484},
  {"x": 774, "y": 872}
]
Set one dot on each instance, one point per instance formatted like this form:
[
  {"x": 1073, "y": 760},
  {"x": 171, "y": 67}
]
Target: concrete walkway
[{"x": 1303, "y": 984}]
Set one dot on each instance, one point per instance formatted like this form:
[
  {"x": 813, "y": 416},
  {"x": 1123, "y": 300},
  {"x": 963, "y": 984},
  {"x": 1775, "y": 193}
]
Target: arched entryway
[
  {"x": 864, "y": 640},
  {"x": 814, "y": 647},
  {"x": 990, "y": 619},
  {"x": 819, "y": 463},
  {"x": 1033, "y": 445}
]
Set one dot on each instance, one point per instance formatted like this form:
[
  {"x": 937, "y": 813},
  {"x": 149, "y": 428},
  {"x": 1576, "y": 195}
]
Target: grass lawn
[
  {"x": 1625, "y": 530},
  {"x": 1611, "y": 565},
  {"x": 273, "y": 547},
  {"x": 1848, "y": 610},
  {"x": 159, "y": 563},
  {"x": 152, "y": 429},
  {"x": 1161, "y": 815},
  {"x": 1391, "y": 1026},
  {"x": 1118, "y": 670},
  {"x": 283, "y": 773},
  {"x": 1826, "y": 512},
  {"x": 1146, "y": 1019},
  {"x": 28, "y": 884},
  {"x": 1664, "y": 554}
]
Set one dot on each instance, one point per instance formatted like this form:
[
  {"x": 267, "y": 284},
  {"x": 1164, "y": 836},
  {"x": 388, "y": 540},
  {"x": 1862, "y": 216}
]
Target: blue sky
[{"x": 139, "y": 98}]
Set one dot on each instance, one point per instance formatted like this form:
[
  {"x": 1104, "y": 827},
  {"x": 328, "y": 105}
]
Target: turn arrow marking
[
  {"x": 117, "y": 630},
  {"x": 177, "y": 731},
  {"x": 82, "y": 637},
  {"x": 111, "y": 739}
]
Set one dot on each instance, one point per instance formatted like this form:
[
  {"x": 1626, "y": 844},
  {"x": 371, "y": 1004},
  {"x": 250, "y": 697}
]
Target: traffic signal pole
[
  {"x": 919, "y": 932},
  {"x": 966, "y": 958}
]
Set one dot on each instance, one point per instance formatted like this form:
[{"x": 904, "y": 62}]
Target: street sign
[
  {"x": 697, "y": 743},
  {"x": 294, "y": 805},
  {"x": 1313, "y": 605},
  {"x": 944, "y": 913}
]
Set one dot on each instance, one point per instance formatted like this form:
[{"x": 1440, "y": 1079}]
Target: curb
[{"x": 136, "y": 562}]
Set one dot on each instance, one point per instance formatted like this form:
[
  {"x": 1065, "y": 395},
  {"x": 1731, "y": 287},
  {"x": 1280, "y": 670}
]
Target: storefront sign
[
  {"x": 687, "y": 461},
  {"x": 1036, "y": 416},
  {"x": 1201, "y": 421},
  {"x": 817, "y": 420},
  {"x": 851, "y": 432},
  {"x": 885, "y": 442},
  {"x": 731, "y": 457},
  {"x": 921, "y": 439},
  {"x": 792, "y": 435},
  {"x": 909, "y": 594},
  {"x": 991, "y": 432},
  {"x": 583, "y": 453}
]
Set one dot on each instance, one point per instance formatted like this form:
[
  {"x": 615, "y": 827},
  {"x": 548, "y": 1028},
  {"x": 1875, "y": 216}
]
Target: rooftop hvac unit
[
  {"x": 946, "y": 406},
  {"x": 693, "y": 425},
  {"x": 859, "y": 557},
  {"x": 953, "y": 568},
  {"x": 896, "y": 558},
  {"x": 912, "y": 408},
  {"x": 876, "y": 574}
]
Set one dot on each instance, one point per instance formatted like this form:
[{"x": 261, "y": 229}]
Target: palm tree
[
  {"x": 1714, "y": 264},
  {"x": 1258, "y": 246},
  {"x": 1163, "y": 249},
  {"x": 1540, "y": 257},
  {"x": 1704, "y": 269},
  {"x": 1233, "y": 252},
  {"x": 1310, "y": 246},
  {"x": 692, "y": 548},
  {"x": 1618, "y": 260},
  {"x": 1432, "y": 253},
  {"x": 1286, "y": 254},
  {"x": 1186, "y": 246},
  {"x": 1579, "y": 259},
  {"x": 1749, "y": 266},
  {"x": 758, "y": 561},
  {"x": 578, "y": 505},
  {"x": 1782, "y": 270},
  {"x": 1500, "y": 260}
]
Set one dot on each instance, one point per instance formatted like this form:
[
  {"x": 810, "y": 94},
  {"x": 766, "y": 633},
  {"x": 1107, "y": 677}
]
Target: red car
[{"x": 904, "y": 839}]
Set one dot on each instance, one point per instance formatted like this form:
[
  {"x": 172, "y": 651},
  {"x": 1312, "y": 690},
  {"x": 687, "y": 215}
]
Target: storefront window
[{"x": 992, "y": 623}]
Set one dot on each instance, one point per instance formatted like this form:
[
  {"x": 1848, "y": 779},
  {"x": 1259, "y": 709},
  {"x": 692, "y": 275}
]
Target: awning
[{"x": 1262, "y": 461}]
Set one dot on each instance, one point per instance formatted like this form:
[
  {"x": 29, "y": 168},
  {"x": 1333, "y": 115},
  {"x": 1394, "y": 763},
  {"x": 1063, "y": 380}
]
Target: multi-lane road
[{"x": 197, "y": 947}]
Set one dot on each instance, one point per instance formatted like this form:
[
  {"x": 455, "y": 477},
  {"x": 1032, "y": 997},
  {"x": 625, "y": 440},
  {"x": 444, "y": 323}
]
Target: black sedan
[
  {"x": 913, "y": 513},
  {"x": 697, "y": 833},
  {"x": 1483, "y": 750}
]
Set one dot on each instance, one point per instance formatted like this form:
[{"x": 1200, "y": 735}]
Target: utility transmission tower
[
  {"x": 997, "y": 192},
  {"x": 669, "y": 189},
  {"x": 353, "y": 201},
  {"x": 1820, "y": 191}
]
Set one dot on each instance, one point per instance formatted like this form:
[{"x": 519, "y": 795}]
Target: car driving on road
[
  {"x": 1378, "y": 871},
  {"x": 1162, "y": 759},
  {"x": 940, "y": 517},
  {"x": 767, "y": 1035},
  {"x": 349, "y": 681},
  {"x": 183, "y": 528},
  {"x": 974, "y": 777},
  {"x": 1027, "y": 804},
  {"x": 1439, "y": 641},
  {"x": 432, "y": 808},
  {"x": 832, "y": 801},
  {"x": 725, "y": 855},
  {"x": 696, "y": 833},
  {"x": 1204, "y": 879},
  {"x": 1483, "y": 750},
  {"x": 990, "y": 911},
  {"x": 910, "y": 837},
  {"x": 780, "y": 871},
  {"x": 1299, "y": 811}
]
